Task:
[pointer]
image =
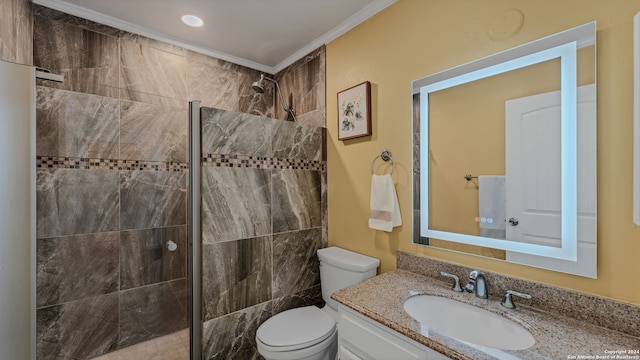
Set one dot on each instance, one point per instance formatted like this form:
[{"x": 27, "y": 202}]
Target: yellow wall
[
  {"x": 474, "y": 115},
  {"x": 415, "y": 38}
]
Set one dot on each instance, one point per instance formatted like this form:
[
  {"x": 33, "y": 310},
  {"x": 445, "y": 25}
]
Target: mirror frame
[{"x": 562, "y": 45}]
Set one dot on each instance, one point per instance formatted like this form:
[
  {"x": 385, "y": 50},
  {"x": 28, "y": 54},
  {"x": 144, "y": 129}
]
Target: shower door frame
[{"x": 194, "y": 233}]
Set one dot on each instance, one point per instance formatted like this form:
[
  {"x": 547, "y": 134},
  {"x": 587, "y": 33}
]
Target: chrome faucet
[
  {"x": 508, "y": 302},
  {"x": 456, "y": 286},
  {"x": 477, "y": 284}
]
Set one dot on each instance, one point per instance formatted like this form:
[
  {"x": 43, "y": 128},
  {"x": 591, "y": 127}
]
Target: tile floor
[{"x": 169, "y": 347}]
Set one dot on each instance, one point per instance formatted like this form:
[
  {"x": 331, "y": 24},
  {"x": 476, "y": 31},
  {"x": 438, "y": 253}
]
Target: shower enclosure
[
  {"x": 114, "y": 268},
  {"x": 255, "y": 210}
]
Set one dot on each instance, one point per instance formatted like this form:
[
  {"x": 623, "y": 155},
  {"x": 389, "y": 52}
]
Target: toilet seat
[{"x": 296, "y": 329}]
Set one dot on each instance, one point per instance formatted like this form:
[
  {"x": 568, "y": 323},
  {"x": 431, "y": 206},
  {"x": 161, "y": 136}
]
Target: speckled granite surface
[
  {"x": 611, "y": 314},
  {"x": 557, "y": 336}
]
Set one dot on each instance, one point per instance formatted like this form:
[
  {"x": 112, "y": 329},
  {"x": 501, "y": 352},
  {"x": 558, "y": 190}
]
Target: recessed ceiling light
[{"x": 192, "y": 20}]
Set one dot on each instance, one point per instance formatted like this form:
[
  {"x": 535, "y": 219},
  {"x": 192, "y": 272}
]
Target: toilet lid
[{"x": 299, "y": 327}]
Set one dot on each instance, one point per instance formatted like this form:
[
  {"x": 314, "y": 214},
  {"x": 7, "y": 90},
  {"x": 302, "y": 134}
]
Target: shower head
[{"x": 258, "y": 86}]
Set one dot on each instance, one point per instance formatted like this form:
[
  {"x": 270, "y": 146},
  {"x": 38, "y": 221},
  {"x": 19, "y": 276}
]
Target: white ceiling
[{"x": 267, "y": 35}]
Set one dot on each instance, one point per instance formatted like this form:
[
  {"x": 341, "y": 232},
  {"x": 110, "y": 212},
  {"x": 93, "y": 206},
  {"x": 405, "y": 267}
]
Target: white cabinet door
[{"x": 361, "y": 338}]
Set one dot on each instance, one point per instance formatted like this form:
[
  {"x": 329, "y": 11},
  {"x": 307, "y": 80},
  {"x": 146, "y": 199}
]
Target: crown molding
[{"x": 356, "y": 19}]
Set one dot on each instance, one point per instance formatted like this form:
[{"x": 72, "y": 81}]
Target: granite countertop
[{"x": 381, "y": 298}]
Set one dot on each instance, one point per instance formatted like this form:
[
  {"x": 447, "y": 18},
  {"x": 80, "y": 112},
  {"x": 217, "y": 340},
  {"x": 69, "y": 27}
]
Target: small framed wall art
[{"x": 354, "y": 111}]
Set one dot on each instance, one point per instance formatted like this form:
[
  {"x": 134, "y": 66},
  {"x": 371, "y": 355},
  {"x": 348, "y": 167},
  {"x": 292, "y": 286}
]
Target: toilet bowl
[
  {"x": 311, "y": 333},
  {"x": 289, "y": 336}
]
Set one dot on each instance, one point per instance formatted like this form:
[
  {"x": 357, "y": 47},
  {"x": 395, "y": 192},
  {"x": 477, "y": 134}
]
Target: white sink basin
[{"x": 468, "y": 323}]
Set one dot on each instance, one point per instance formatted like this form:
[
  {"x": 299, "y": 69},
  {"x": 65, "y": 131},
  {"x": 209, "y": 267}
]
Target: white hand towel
[
  {"x": 492, "y": 206},
  {"x": 385, "y": 210}
]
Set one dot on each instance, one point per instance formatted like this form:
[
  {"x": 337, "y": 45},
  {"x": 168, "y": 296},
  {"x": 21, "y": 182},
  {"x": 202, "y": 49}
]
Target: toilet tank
[{"x": 340, "y": 268}]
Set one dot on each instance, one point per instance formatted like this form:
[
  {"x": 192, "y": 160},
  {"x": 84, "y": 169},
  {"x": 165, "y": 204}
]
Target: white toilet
[{"x": 311, "y": 333}]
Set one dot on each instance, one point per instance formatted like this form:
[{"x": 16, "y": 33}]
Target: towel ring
[{"x": 386, "y": 156}]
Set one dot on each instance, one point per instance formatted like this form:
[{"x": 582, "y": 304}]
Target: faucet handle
[
  {"x": 456, "y": 286},
  {"x": 508, "y": 302},
  {"x": 471, "y": 285}
]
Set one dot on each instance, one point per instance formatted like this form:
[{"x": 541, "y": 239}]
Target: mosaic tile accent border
[
  {"x": 258, "y": 162},
  {"x": 55, "y": 162},
  {"x": 239, "y": 161}
]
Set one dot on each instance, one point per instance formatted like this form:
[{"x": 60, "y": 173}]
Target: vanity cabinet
[{"x": 361, "y": 338}]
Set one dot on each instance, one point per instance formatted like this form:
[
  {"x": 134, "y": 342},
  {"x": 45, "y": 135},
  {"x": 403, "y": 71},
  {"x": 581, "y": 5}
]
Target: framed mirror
[{"x": 505, "y": 151}]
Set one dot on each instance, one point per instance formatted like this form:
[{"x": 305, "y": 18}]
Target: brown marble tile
[
  {"x": 154, "y": 44},
  {"x": 145, "y": 258},
  {"x": 151, "y": 311},
  {"x": 310, "y": 296},
  {"x": 16, "y": 32},
  {"x": 294, "y": 141},
  {"x": 234, "y": 336},
  {"x": 79, "y": 329},
  {"x": 295, "y": 264},
  {"x": 236, "y": 203},
  {"x": 317, "y": 118},
  {"x": 193, "y": 56},
  {"x": 152, "y": 132},
  {"x": 73, "y": 124},
  {"x": 233, "y": 133},
  {"x": 213, "y": 82},
  {"x": 56, "y": 15},
  {"x": 296, "y": 200},
  {"x": 151, "y": 75},
  {"x": 324, "y": 206},
  {"x": 8, "y": 36},
  {"x": 152, "y": 199},
  {"x": 88, "y": 60},
  {"x": 76, "y": 267},
  {"x": 237, "y": 275},
  {"x": 303, "y": 85},
  {"x": 71, "y": 201}
]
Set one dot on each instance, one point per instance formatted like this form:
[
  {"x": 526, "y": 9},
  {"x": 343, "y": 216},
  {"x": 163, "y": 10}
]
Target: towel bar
[
  {"x": 386, "y": 156},
  {"x": 468, "y": 177}
]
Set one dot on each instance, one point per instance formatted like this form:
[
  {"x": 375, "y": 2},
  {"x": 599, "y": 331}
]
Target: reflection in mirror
[{"x": 505, "y": 155}]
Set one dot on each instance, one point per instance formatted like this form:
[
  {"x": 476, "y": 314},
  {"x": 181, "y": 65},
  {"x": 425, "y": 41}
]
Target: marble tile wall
[
  {"x": 74, "y": 124},
  {"x": 76, "y": 267},
  {"x": 261, "y": 230},
  {"x": 303, "y": 85},
  {"x": 145, "y": 309},
  {"x": 112, "y": 188},
  {"x": 145, "y": 259},
  {"x": 16, "y": 31},
  {"x": 237, "y": 274},
  {"x": 87, "y": 59},
  {"x": 79, "y": 329}
]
